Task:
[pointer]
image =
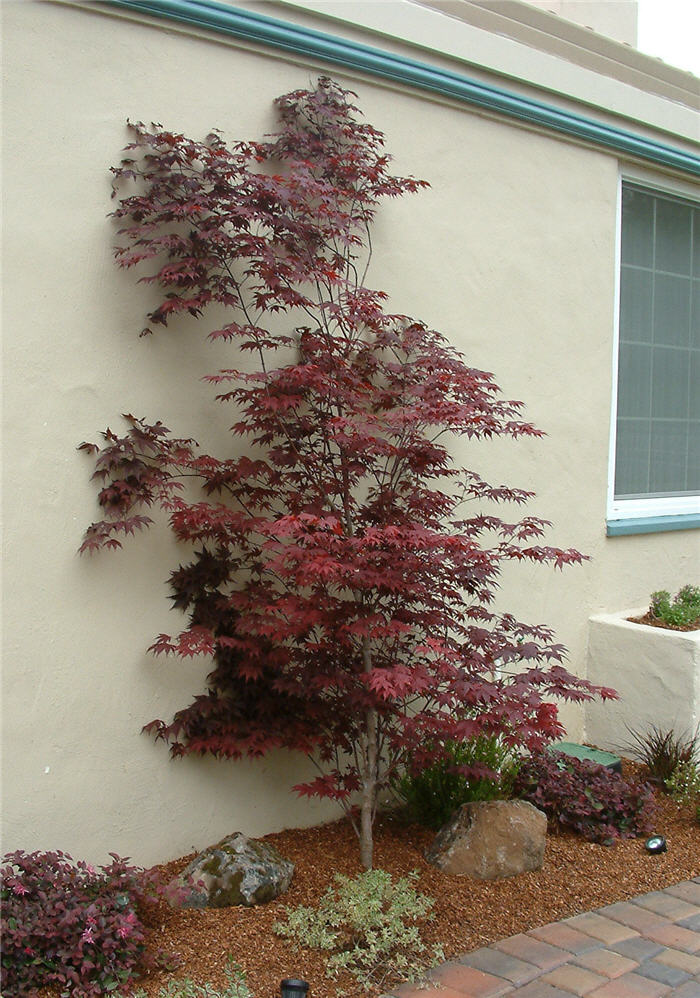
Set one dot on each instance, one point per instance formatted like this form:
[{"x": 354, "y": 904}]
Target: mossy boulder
[{"x": 235, "y": 871}]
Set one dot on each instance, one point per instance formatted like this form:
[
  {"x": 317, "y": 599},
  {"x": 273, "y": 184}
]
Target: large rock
[
  {"x": 491, "y": 839},
  {"x": 236, "y": 871}
]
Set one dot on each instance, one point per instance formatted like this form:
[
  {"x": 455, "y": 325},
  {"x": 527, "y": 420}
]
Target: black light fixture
[
  {"x": 656, "y": 844},
  {"x": 292, "y": 988}
]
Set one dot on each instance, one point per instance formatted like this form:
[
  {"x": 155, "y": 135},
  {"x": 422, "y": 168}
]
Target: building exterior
[
  {"x": 558, "y": 246},
  {"x": 613, "y": 18}
]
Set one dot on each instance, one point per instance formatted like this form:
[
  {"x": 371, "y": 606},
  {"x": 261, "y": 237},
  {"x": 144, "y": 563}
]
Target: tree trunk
[
  {"x": 370, "y": 772},
  {"x": 369, "y": 791}
]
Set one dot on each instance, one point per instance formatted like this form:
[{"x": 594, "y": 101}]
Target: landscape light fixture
[
  {"x": 657, "y": 843},
  {"x": 293, "y": 988}
]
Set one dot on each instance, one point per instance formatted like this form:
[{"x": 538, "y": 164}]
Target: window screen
[{"x": 658, "y": 400}]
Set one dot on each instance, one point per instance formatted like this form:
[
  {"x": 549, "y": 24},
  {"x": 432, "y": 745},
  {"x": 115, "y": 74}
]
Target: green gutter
[
  {"x": 652, "y": 524},
  {"x": 263, "y": 30}
]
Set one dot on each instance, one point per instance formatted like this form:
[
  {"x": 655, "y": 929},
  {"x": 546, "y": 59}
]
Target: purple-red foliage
[
  {"x": 342, "y": 572},
  {"x": 591, "y": 799},
  {"x": 69, "y": 924}
]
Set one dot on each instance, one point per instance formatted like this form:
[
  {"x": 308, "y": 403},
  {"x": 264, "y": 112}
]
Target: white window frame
[{"x": 629, "y": 509}]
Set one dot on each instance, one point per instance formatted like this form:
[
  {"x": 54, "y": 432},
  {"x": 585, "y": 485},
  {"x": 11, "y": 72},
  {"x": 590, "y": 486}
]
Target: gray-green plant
[
  {"x": 235, "y": 987},
  {"x": 681, "y": 611},
  {"x": 368, "y": 925},
  {"x": 683, "y": 785},
  {"x": 432, "y": 794}
]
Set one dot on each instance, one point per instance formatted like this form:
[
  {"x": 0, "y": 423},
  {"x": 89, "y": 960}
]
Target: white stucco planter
[{"x": 656, "y": 673}]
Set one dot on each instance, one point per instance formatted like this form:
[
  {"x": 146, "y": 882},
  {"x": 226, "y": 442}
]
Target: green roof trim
[{"x": 263, "y": 30}]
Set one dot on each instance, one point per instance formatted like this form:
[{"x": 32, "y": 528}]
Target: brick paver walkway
[{"x": 648, "y": 947}]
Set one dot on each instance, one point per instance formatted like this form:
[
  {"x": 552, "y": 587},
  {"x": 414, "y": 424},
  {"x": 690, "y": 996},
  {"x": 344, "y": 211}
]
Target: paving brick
[
  {"x": 692, "y": 922},
  {"x": 605, "y": 929},
  {"x": 468, "y": 981},
  {"x": 689, "y": 891},
  {"x": 411, "y": 991},
  {"x": 637, "y": 918},
  {"x": 631, "y": 986},
  {"x": 666, "y": 904},
  {"x": 676, "y": 937},
  {"x": 566, "y": 938},
  {"x": 637, "y": 949},
  {"x": 540, "y": 989},
  {"x": 500, "y": 964},
  {"x": 407, "y": 991},
  {"x": 676, "y": 958},
  {"x": 689, "y": 990},
  {"x": 662, "y": 972},
  {"x": 534, "y": 951},
  {"x": 573, "y": 979},
  {"x": 606, "y": 962}
]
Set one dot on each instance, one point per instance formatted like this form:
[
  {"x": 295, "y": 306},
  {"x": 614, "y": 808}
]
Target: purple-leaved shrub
[
  {"x": 70, "y": 924},
  {"x": 591, "y": 799}
]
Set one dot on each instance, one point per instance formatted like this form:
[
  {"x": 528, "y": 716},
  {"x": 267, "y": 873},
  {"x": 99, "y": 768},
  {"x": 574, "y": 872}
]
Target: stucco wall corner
[{"x": 655, "y": 671}]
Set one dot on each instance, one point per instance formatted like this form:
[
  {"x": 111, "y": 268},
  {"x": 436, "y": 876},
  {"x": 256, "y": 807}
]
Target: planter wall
[{"x": 655, "y": 671}]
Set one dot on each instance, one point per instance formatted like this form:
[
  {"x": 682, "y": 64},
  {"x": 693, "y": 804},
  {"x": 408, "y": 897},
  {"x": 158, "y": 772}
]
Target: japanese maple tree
[{"x": 341, "y": 568}]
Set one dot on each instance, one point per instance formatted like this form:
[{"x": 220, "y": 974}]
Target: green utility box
[{"x": 592, "y": 754}]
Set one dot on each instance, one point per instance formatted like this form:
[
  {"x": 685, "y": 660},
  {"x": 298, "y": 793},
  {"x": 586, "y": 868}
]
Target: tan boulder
[{"x": 491, "y": 839}]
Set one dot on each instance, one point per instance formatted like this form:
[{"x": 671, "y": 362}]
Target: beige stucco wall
[{"x": 511, "y": 253}]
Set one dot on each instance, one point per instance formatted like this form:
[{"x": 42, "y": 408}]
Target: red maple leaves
[{"x": 341, "y": 574}]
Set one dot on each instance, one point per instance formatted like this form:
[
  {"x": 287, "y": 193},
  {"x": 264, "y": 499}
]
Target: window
[{"x": 657, "y": 432}]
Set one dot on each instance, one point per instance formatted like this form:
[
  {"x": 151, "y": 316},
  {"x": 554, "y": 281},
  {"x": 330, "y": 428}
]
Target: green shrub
[
  {"x": 662, "y": 751},
  {"x": 434, "y": 793},
  {"x": 683, "y": 785},
  {"x": 682, "y": 611},
  {"x": 235, "y": 987},
  {"x": 368, "y": 925}
]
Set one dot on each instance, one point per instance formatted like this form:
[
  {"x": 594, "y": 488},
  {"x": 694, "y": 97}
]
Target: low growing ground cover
[{"x": 576, "y": 876}]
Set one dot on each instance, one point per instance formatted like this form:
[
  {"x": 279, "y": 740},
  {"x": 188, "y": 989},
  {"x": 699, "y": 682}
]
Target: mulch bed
[{"x": 577, "y": 876}]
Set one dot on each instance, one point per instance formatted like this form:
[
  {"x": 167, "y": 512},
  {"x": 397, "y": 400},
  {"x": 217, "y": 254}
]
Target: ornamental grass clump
[
  {"x": 368, "y": 925},
  {"x": 70, "y": 925},
  {"x": 433, "y": 793},
  {"x": 590, "y": 799},
  {"x": 662, "y": 750}
]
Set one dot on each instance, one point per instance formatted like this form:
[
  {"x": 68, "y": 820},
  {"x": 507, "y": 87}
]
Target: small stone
[
  {"x": 488, "y": 840},
  {"x": 235, "y": 871}
]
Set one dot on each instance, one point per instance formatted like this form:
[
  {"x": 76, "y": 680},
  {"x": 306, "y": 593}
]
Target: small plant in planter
[{"x": 682, "y": 613}]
